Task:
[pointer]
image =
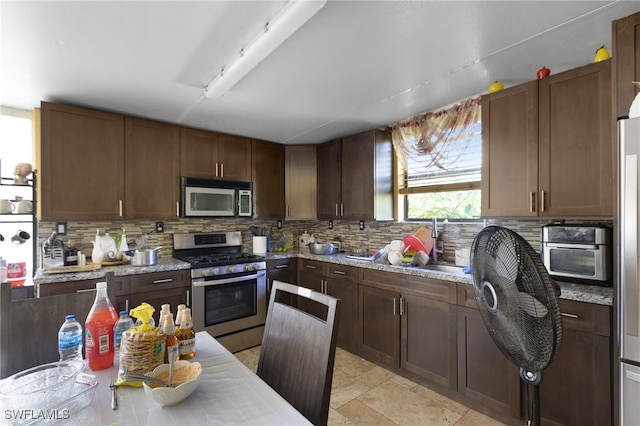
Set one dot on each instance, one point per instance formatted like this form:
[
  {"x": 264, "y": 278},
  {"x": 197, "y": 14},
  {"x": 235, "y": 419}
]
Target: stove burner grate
[{"x": 219, "y": 259}]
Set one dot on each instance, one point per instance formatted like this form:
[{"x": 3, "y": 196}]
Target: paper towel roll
[
  {"x": 462, "y": 256},
  {"x": 260, "y": 245}
]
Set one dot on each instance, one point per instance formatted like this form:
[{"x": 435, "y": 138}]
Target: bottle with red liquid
[{"x": 99, "y": 330}]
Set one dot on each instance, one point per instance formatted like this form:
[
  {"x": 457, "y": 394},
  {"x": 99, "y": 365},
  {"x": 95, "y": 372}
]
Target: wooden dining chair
[
  {"x": 29, "y": 327},
  {"x": 299, "y": 347}
]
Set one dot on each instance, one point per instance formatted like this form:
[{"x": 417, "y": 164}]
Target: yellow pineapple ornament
[{"x": 601, "y": 54}]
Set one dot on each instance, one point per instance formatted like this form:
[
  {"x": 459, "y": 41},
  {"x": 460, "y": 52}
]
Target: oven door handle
[{"x": 202, "y": 282}]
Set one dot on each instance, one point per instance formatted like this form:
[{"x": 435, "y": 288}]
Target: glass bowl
[{"x": 39, "y": 387}]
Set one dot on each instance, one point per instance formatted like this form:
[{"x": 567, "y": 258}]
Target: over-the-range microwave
[{"x": 215, "y": 198}]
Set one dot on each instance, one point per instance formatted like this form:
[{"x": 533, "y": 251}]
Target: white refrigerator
[{"x": 628, "y": 295}]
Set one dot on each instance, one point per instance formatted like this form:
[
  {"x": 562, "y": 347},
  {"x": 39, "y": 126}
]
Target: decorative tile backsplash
[{"x": 453, "y": 235}]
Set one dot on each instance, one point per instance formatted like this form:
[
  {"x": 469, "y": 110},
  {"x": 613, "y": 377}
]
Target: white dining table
[{"x": 228, "y": 393}]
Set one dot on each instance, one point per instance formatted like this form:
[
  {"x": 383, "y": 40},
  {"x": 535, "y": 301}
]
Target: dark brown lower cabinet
[
  {"x": 285, "y": 270},
  {"x": 428, "y": 342},
  {"x": 577, "y": 386},
  {"x": 122, "y": 289},
  {"x": 380, "y": 322},
  {"x": 310, "y": 274},
  {"x": 339, "y": 281},
  {"x": 409, "y": 322},
  {"x": 432, "y": 331},
  {"x": 158, "y": 288},
  {"x": 485, "y": 375}
]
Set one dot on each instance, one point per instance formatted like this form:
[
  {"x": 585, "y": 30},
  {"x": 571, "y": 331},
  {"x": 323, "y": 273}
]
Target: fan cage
[{"x": 518, "y": 300}]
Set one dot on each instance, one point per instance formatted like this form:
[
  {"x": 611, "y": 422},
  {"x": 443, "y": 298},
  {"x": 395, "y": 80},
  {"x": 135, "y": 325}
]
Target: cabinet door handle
[
  {"x": 188, "y": 298},
  {"x": 341, "y": 209},
  {"x": 311, "y": 267},
  {"x": 401, "y": 303},
  {"x": 337, "y": 214},
  {"x": 120, "y": 208},
  {"x": 221, "y": 169},
  {"x": 395, "y": 308},
  {"x": 165, "y": 280},
  {"x": 282, "y": 266},
  {"x": 178, "y": 209},
  {"x": 532, "y": 201},
  {"x": 85, "y": 290},
  {"x": 216, "y": 169},
  {"x": 574, "y": 316},
  {"x": 339, "y": 272},
  {"x": 542, "y": 201}
]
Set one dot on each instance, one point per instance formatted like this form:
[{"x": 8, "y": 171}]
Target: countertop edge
[
  {"x": 164, "y": 264},
  {"x": 569, "y": 291}
]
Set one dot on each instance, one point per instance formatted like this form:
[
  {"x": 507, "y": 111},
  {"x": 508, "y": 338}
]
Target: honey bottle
[
  {"x": 172, "y": 347},
  {"x": 179, "y": 314},
  {"x": 186, "y": 336}
]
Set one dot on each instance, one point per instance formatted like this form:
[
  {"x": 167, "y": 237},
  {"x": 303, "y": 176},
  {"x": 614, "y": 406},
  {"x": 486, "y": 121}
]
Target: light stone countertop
[
  {"x": 164, "y": 264},
  {"x": 569, "y": 291},
  {"x": 576, "y": 292}
]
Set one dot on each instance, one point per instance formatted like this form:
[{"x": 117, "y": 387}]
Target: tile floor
[{"x": 366, "y": 394}]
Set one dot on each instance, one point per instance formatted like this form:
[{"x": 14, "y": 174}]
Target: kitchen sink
[{"x": 443, "y": 268}]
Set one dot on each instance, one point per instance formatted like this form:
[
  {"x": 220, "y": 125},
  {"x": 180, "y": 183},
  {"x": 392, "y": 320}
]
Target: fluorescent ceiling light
[{"x": 293, "y": 16}]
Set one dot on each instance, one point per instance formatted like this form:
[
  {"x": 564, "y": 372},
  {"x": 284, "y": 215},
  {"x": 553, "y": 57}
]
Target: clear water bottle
[
  {"x": 70, "y": 339},
  {"x": 124, "y": 323}
]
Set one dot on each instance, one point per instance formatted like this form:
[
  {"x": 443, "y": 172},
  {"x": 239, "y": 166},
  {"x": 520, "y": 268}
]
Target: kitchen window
[{"x": 439, "y": 162}]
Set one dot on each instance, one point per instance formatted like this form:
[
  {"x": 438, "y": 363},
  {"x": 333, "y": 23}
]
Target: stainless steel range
[{"x": 228, "y": 287}]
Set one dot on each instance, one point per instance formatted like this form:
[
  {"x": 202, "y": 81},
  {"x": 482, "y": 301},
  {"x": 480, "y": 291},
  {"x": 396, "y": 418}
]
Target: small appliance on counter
[
  {"x": 579, "y": 253},
  {"x": 305, "y": 240},
  {"x": 52, "y": 252}
]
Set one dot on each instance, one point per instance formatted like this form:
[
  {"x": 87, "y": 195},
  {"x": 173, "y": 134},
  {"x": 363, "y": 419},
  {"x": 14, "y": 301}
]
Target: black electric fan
[{"x": 518, "y": 302}]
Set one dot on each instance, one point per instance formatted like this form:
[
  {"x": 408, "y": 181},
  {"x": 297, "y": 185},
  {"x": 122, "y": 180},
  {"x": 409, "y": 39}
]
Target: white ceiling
[{"x": 355, "y": 65}]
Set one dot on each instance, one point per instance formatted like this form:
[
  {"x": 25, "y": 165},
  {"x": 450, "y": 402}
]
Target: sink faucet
[
  {"x": 434, "y": 228},
  {"x": 434, "y": 235}
]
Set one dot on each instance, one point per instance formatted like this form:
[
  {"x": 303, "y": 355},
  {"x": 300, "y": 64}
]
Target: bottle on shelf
[
  {"x": 3, "y": 270},
  {"x": 124, "y": 246},
  {"x": 186, "y": 336},
  {"x": 109, "y": 247},
  {"x": 99, "y": 330},
  {"x": 70, "y": 339},
  {"x": 97, "y": 254},
  {"x": 123, "y": 324},
  {"x": 71, "y": 254}
]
